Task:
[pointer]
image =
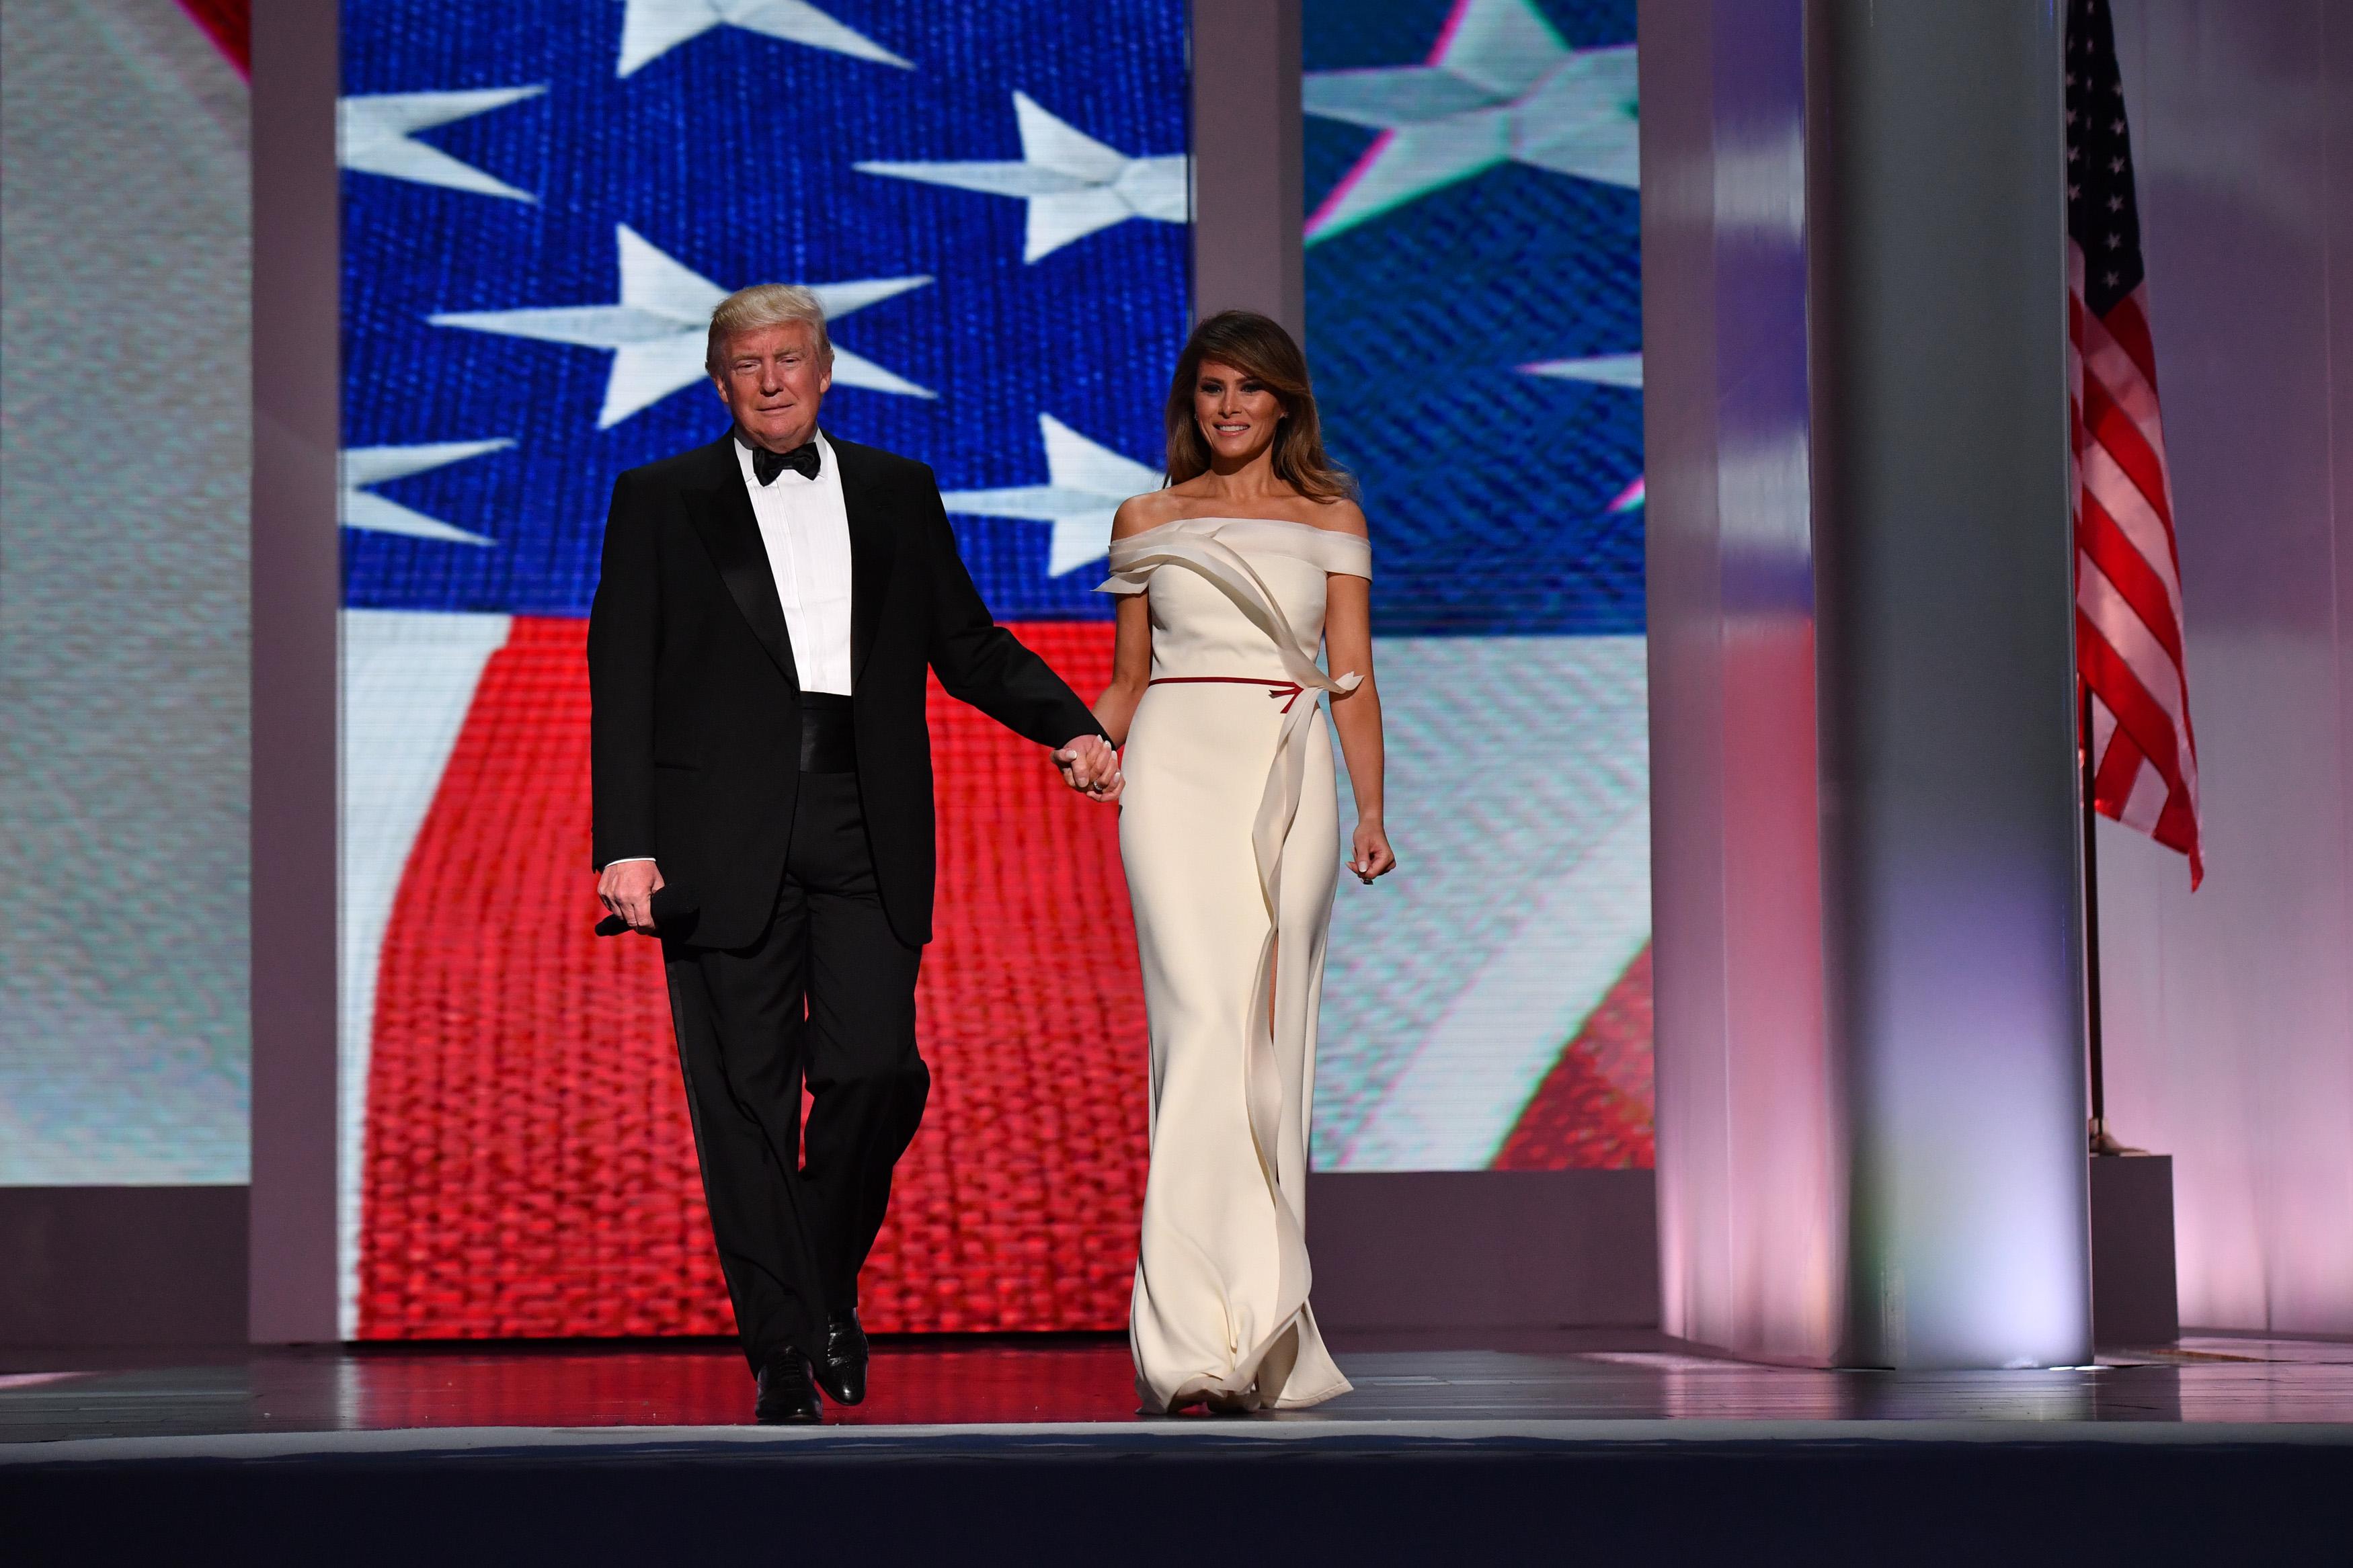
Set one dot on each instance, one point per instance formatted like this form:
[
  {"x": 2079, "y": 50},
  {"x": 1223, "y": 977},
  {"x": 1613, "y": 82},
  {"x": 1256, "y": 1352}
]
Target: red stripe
[
  {"x": 2177, "y": 828},
  {"x": 2123, "y": 564},
  {"x": 2128, "y": 323},
  {"x": 2113, "y": 428},
  {"x": 1018, "y": 1207},
  {"x": 2137, "y": 713},
  {"x": 229, "y": 24},
  {"x": 528, "y": 1167},
  {"x": 2112, "y": 783},
  {"x": 1593, "y": 1110}
]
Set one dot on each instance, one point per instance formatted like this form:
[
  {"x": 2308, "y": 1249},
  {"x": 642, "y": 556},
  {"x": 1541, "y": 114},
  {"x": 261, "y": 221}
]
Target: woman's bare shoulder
[
  {"x": 1148, "y": 510},
  {"x": 1338, "y": 515}
]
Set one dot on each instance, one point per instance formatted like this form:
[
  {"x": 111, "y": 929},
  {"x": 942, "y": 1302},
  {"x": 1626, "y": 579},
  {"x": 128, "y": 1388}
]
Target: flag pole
[{"x": 2103, "y": 1142}]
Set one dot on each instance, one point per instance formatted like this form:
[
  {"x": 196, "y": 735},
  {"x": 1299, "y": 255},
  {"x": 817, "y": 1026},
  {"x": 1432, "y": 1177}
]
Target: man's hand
[
  {"x": 1091, "y": 766},
  {"x": 627, "y": 888}
]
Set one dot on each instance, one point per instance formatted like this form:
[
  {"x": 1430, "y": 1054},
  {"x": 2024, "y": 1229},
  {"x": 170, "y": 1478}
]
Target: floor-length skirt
[{"x": 1221, "y": 1307}]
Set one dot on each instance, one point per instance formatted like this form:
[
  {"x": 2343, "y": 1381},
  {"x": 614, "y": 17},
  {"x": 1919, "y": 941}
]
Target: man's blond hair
[{"x": 764, "y": 305}]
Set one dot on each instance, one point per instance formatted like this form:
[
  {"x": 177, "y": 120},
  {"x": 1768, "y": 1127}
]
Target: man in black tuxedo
[{"x": 756, "y": 657}]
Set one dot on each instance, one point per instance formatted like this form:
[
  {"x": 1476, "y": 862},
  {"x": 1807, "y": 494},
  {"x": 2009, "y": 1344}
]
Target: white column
[{"x": 1870, "y": 1123}]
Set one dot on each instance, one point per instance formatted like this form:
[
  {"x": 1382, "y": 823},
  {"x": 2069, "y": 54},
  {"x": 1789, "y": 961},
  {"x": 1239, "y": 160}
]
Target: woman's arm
[
  {"x": 1356, "y": 717},
  {"x": 1130, "y": 653},
  {"x": 1131, "y": 667}
]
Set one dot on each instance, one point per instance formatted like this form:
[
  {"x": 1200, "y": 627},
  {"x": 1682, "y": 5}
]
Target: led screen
[
  {"x": 124, "y": 249},
  {"x": 1474, "y": 314},
  {"x": 542, "y": 202}
]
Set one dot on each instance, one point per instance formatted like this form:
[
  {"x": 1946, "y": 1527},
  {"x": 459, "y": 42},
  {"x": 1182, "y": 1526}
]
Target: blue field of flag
[
  {"x": 722, "y": 154},
  {"x": 538, "y": 215}
]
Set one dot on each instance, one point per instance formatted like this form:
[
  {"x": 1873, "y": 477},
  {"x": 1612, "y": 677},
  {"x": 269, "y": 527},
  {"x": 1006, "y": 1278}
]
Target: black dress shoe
[
  {"x": 787, "y": 1397},
  {"x": 842, "y": 1373}
]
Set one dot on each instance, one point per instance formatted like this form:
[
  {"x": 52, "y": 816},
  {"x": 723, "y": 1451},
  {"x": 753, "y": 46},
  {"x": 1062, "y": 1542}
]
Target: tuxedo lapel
[
  {"x": 722, "y": 513},
  {"x": 873, "y": 547}
]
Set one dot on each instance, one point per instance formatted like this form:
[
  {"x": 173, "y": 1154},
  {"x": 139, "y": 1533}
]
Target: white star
[
  {"x": 652, "y": 28},
  {"x": 1085, "y": 485},
  {"x": 658, "y": 331},
  {"x": 1602, "y": 370},
  {"x": 1502, "y": 87},
  {"x": 375, "y": 133},
  {"x": 1074, "y": 184},
  {"x": 364, "y": 465}
]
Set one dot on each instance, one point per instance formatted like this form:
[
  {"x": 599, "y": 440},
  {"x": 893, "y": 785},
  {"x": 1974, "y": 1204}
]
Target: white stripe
[
  {"x": 408, "y": 682},
  {"x": 2126, "y": 631},
  {"x": 1494, "y": 801},
  {"x": 2106, "y": 360},
  {"x": 2104, "y": 729},
  {"x": 2105, "y": 608},
  {"x": 1460, "y": 1095},
  {"x": 2147, "y": 801},
  {"x": 2136, "y": 519}
]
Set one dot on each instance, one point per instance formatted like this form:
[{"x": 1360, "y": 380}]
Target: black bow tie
[{"x": 803, "y": 460}]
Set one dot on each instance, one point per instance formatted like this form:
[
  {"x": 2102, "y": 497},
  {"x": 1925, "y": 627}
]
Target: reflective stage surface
[
  {"x": 1617, "y": 1446},
  {"x": 934, "y": 1382}
]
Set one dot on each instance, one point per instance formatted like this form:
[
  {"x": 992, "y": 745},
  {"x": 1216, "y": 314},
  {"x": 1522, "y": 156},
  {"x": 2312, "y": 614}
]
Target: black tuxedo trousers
[
  {"x": 812, "y": 890},
  {"x": 826, "y": 997}
]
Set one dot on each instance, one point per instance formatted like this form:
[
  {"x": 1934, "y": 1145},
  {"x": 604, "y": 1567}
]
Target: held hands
[
  {"x": 627, "y": 888},
  {"x": 1369, "y": 855},
  {"x": 1091, "y": 766}
]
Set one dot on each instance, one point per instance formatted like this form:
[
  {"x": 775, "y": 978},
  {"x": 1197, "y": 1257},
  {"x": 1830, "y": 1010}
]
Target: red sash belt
[{"x": 1288, "y": 690}]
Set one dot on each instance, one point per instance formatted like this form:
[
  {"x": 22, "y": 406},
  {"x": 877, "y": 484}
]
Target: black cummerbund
[{"x": 829, "y": 738}]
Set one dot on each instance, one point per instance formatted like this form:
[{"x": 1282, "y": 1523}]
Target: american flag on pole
[{"x": 2128, "y": 570}]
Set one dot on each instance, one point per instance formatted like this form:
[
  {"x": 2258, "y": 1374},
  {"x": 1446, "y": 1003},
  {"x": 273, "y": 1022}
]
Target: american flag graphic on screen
[
  {"x": 2127, "y": 570},
  {"x": 542, "y": 202}
]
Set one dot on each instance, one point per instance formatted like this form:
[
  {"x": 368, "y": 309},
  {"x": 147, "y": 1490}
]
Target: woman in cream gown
[{"x": 1232, "y": 577}]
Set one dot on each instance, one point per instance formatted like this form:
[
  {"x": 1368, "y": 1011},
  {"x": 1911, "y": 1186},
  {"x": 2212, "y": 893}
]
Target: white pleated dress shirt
[{"x": 806, "y": 528}]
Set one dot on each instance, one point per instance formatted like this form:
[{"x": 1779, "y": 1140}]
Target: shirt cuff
[{"x": 627, "y": 859}]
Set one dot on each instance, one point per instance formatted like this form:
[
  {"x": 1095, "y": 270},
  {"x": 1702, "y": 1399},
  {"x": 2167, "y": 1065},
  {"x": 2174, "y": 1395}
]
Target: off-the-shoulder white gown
[{"x": 1229, "y": 831}]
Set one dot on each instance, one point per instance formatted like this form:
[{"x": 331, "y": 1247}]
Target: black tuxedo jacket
[{"x": 695, "y": 735}]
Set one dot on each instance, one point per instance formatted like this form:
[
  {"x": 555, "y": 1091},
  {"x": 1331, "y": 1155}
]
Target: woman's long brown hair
[{"x": 1257, "y": 346}]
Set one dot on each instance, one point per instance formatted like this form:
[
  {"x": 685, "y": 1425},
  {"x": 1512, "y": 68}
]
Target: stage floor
[
  {"x": 1521, "y": 1449},
  {"x": 1526, "y": 1381}
]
